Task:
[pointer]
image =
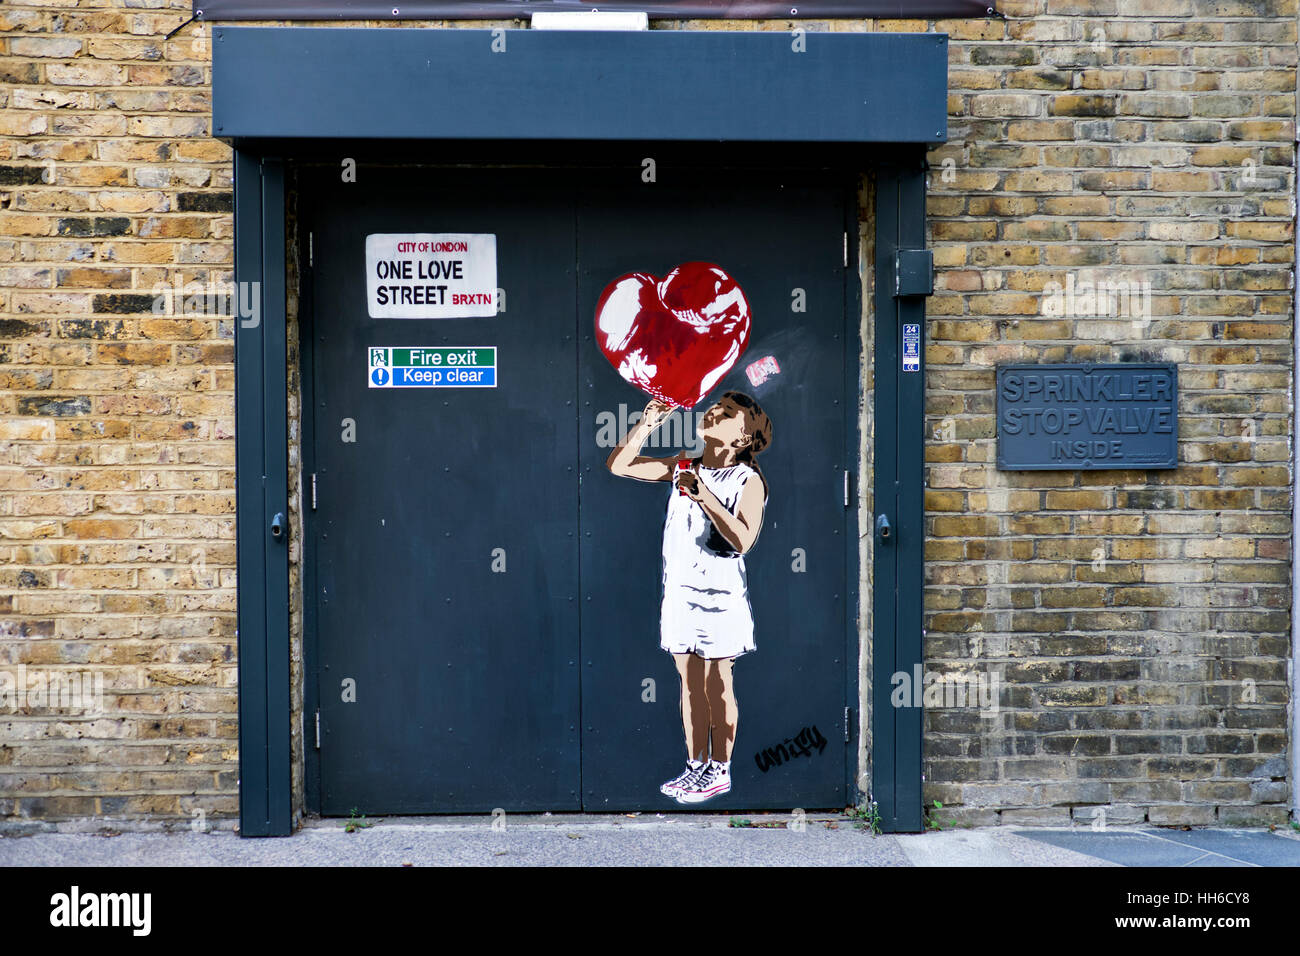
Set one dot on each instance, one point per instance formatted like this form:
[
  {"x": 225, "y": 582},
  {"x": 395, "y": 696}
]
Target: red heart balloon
[{"x": 674, "y": 338}]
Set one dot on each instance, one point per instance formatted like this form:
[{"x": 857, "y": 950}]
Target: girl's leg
[
  {"x": 724, "y": 713},
  {"x": 695, "y": 705}
]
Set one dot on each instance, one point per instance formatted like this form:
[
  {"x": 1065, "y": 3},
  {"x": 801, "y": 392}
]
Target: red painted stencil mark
[
  {"x": 676, "y": 337},
  {"x": 760, "y": 371},
  {"x": 683, "y": 464}
]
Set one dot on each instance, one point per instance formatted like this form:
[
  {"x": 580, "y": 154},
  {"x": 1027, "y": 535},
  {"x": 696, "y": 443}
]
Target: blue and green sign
[{"x": 461, "y": 366}]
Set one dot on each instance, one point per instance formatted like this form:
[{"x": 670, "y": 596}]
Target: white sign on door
[{"x": 424, "y": 275}]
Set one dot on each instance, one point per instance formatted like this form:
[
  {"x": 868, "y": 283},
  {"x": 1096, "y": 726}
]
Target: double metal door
[{"x": 482, "y": 594}]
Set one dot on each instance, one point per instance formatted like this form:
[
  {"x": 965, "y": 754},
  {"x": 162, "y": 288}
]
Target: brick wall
[
  {"x": 1127, "y": 612},
  {"x": 117, "y": 549},
  {"x": 1149, "y": 141}
]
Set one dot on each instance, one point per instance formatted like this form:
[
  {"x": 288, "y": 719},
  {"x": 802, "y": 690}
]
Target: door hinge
[
  {"x": 846, "y": 248},
  {"x": 846, "y": 487},
  {"x": 318, "y": 728},
  {"x": 311, "y": 251},
  {"x": 313, "y": 491},
  {"x": 848, "y": 717}
]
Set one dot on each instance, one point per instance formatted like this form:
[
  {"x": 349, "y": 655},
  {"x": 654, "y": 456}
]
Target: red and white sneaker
[
  {"x": 686, "y": 778},
  {"x": 713, "y": 782}
]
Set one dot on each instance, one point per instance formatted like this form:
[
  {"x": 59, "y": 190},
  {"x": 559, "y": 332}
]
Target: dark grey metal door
[
  {"x": 542, "y": 686},
  {"x": 446, "y": 561},
  {"x": 781, "y": 237}
]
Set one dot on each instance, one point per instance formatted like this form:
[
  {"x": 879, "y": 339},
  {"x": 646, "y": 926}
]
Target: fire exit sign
[{"x": 463, "y": 366}]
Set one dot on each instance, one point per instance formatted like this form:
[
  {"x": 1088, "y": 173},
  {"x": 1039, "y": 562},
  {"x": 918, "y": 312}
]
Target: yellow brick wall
[
  {"x": 1129, "y": 615},
  {"x": 117, "y": 535},
  {"x": 1138, "y": 620}
]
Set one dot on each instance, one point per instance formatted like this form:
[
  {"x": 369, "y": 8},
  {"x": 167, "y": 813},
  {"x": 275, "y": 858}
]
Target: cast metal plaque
[{"x": 1087, "y": 417}]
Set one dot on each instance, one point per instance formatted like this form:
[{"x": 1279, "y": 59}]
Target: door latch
[
  {"x": 913, "y": 272},
  {"x": 882, "y": 528}
]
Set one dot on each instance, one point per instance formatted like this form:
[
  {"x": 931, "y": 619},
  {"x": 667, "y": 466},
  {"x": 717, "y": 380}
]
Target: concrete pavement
[{"x": 641, "y": 840}]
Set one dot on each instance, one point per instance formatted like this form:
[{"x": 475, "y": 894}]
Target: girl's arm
[
  {"x": 624, "y": 460},
  {"x": 740, "y": 529}
]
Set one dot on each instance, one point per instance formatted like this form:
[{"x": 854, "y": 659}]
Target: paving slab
[
  {"x": 988, "y": 847},
  {"x": 604, "y": 843},
  {"x": 641, "y": 840},
  {"x": 1259, "y": 847},
  {"x": 1169, "y": 847}
]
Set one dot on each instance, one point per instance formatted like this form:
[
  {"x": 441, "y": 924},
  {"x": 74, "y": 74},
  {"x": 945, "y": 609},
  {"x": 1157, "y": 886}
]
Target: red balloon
[{"x": 674, "y": 338}]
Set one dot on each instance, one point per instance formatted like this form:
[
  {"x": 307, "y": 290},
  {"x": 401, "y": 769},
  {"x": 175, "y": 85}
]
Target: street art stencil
[{"x": 675, "y": 339}]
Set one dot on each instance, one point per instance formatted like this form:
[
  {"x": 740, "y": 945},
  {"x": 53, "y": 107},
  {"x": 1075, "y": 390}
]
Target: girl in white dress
[{"x": 715, "y": 512}]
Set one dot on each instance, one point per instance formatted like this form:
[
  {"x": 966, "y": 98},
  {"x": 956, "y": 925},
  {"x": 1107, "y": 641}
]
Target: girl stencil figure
[{"x": 714, "y": 514}]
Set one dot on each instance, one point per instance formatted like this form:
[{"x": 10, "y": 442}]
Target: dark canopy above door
[
  {"x": 662, "y": 85},
  {"x": 493, "y": 9},
  {"x": 844, "y": 100}
]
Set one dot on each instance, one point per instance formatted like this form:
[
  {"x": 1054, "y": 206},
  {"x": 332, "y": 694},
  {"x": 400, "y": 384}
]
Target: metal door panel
[
  {"x": 466, "y": 677},
  {"x": 774, "y": 234},
  {"x": 470, "y": 684}
]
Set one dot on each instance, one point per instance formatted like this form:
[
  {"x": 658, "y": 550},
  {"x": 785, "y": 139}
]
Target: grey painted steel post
[
  {"x": 900, "y": 502},
  {"x": 261, "y": 443}
]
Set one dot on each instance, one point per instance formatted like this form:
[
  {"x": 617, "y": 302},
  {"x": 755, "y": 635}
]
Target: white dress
[{"x": 705, "y": 608}]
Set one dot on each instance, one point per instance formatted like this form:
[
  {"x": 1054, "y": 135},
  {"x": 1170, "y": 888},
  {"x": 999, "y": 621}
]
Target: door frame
[
  {"x": 321, "y": 78},
  {"x": 898, "y": 491},
  {"x": 262, "y": 439}
]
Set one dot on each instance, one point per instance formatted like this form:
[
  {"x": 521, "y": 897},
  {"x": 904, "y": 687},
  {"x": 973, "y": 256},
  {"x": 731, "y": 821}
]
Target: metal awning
[
  {"x": 660, "y": 9},
  {"x": 466, "y": 84},
  {"x": 287, "y": 94}
]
